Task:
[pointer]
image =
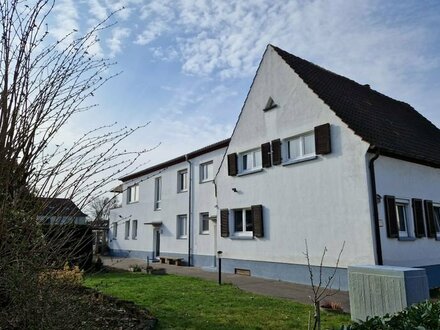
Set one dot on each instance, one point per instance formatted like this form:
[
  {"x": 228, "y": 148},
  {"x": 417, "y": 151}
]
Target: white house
[
  {"x": 170, "y": 209},
  {"x": 314, "y": 156}
]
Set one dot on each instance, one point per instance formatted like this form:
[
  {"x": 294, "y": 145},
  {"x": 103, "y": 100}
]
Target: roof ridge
[{"x": 393, "y": 126}]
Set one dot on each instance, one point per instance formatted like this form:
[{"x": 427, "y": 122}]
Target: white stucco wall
[
  {"x": 173, "y": 203},
  {"x": 406, "y": 180},
  {"x": 325, "y": 200}
]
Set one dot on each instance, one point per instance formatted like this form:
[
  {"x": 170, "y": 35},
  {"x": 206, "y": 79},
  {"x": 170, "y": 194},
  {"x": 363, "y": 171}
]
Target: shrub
[
  {"x": 135, "y": 268},
  {"x": 67, "y": 275},
  {"x": 424, "y": 315}
]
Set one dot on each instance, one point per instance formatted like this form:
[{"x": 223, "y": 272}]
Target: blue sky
[{"x": 188, "y": 65}]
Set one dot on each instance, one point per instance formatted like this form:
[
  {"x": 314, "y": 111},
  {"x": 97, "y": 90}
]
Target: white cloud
[
  {"x": 98, "y": 10},
  {"x": 66, "y": 20},
  {"x": 115, "y": 42}
]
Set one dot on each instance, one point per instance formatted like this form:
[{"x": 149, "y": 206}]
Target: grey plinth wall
[{"x": 378, "y": 290}]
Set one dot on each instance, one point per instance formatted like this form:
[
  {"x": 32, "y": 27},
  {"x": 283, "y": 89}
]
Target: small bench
[{"x": 171, "y": 261}]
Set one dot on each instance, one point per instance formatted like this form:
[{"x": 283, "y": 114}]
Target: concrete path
[{"x": 297, "y": 292}]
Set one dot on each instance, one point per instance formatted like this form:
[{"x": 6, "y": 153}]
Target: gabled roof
[
  {"x": 174, "y": 161},
  {"x": 392, "y": 127},
  {"x": 59, "y": 207}
]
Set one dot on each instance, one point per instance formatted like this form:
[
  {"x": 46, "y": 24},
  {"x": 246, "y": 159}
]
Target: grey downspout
[
  {"x": 375, "y": 209},
  {"x": 189, "y": 208}
]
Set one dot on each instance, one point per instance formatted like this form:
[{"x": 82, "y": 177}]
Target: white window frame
[
  {"x": 115, "y": 230},
  {"x": 133, "y": 194},
  {"x": 243, "y": 232},
  {"x": 204, "y": 217},
  {"x": 157, "y": 193},
  {"x": 182, "y": 181},
  {"x": 127, "y": 229},
  {"x": 182, "y": 226},
  {"x": 405, "y": 204},
  {"x": 134, "y": 229},
  {"x": 301, "y": 140},
  {"x": 253, "y": 165},
  {"x": 436, "y": 206},
  {"x": 206, "y": 171}
]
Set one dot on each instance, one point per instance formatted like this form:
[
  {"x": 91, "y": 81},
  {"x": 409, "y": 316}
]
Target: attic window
[{"x": 270, "y": 104}]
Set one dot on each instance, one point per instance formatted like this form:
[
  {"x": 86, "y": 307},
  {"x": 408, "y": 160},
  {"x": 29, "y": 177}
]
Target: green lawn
[{"x": 186, "y": 302}]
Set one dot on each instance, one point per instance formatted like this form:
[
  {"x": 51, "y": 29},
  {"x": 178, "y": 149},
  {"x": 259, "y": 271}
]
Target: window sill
[
  {"x": 182, "y": 191},
  {"x": 158, "y": 209},
  {"x": 250, "y": 172},
  {"x": 243, "y": 237},
  {"x": 299, "y": 160},
  {"x": 182, "y": 237},
  {"x": 206, "y": 181},
  {"x": 406, "y": 239},
  {"x": 129, "y": 203},
  {"x": 204, "y": 233}
]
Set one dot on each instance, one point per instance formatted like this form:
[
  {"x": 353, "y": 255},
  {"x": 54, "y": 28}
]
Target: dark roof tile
[{"x": 395, "y": 128}]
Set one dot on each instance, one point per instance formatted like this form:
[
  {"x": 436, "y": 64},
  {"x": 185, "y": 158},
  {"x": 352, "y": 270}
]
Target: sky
[{"x": 186, "y": 66}]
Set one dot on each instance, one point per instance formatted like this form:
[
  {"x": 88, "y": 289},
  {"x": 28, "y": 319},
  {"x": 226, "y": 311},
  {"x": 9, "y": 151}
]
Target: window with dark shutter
[
  {"x": 391, "y": 216},
  {"x": 224, "y": 223},
  {"x": 265, "y": 155},
  {"x": 323, "y": 139},
  {"x": 232, "y": 164},
  {"x": 429, "y": 215},
  {"x": 257, "y": 218},
  {"x": 419, "y": 226},
  {"x": 276, "y": 152}
]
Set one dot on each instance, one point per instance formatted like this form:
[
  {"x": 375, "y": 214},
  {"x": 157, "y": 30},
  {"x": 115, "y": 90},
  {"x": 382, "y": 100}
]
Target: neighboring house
[
  {"x": 60, "y": 211},
  {"x": 170, "y": 209},
  {"x": 314, "y": 156}
]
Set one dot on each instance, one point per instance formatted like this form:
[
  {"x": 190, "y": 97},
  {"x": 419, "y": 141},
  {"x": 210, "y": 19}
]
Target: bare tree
[
  {"x": 99, "y": 208},
  {"x": 43, "y": 83},
  {"x": 322, "y": 288}
]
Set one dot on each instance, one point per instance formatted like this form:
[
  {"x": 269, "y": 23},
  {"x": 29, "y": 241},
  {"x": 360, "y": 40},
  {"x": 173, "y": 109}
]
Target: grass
[{"x": 192, "y": 303}]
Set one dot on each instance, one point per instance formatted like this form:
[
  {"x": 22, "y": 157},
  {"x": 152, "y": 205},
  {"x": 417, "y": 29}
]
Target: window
[
  {"x": 182, "y": 180},
  {"x": 300, "y": 147},
  {"x": 182, "y": 226},
  {"x": 134, "y": 230},
  {"x": 206, "y": 172},
  {"x": 402, "y": 219},
  {"x": 250, "y": 161},
  {"x": 436, "y": 209},
  {"x": 127, "y": 229},
  {"x": 115, "y": 230},
  {"x": 243, "y": 222},
  {"x": 133, "y": 194},
  {"x": 157, "y": 192},
  {"x": 204, "y": 223}
]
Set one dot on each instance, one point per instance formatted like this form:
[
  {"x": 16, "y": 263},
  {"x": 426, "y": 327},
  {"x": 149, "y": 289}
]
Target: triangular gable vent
[{"x": 270, "y": 104}]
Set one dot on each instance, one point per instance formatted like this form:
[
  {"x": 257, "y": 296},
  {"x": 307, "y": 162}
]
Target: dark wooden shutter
[
  {"x": 257, "y": 220},
  {"x": 224, "y": 222},
  {"x": 276, "y": 152},
  {"x": 232, "y": 164},
  {"x": 391, "y": 216},
  {"x": 419, "y": 226},
  {"x": 323, "y": 140},
  {"x": 265, "y": 155},
  {"x": 429, "y": 215}
]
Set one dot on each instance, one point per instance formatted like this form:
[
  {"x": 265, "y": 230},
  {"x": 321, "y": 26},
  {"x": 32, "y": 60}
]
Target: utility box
[{"x": 378, "y": 290}]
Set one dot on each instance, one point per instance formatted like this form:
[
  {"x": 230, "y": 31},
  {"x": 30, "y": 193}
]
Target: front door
[{"x": 156, "y": 240}]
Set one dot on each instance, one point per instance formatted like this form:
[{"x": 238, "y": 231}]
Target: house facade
[
  {"x": 170, "y": 209},
  {"x": 314, "y": 157},
  {"x": 60, "y": 211}
]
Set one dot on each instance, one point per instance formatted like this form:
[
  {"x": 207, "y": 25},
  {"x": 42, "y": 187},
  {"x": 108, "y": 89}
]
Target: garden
[{"x": 186, "y": 302}]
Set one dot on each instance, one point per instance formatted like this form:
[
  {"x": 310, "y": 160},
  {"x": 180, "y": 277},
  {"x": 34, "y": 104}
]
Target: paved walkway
[{"x": 272, "y": 288}]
